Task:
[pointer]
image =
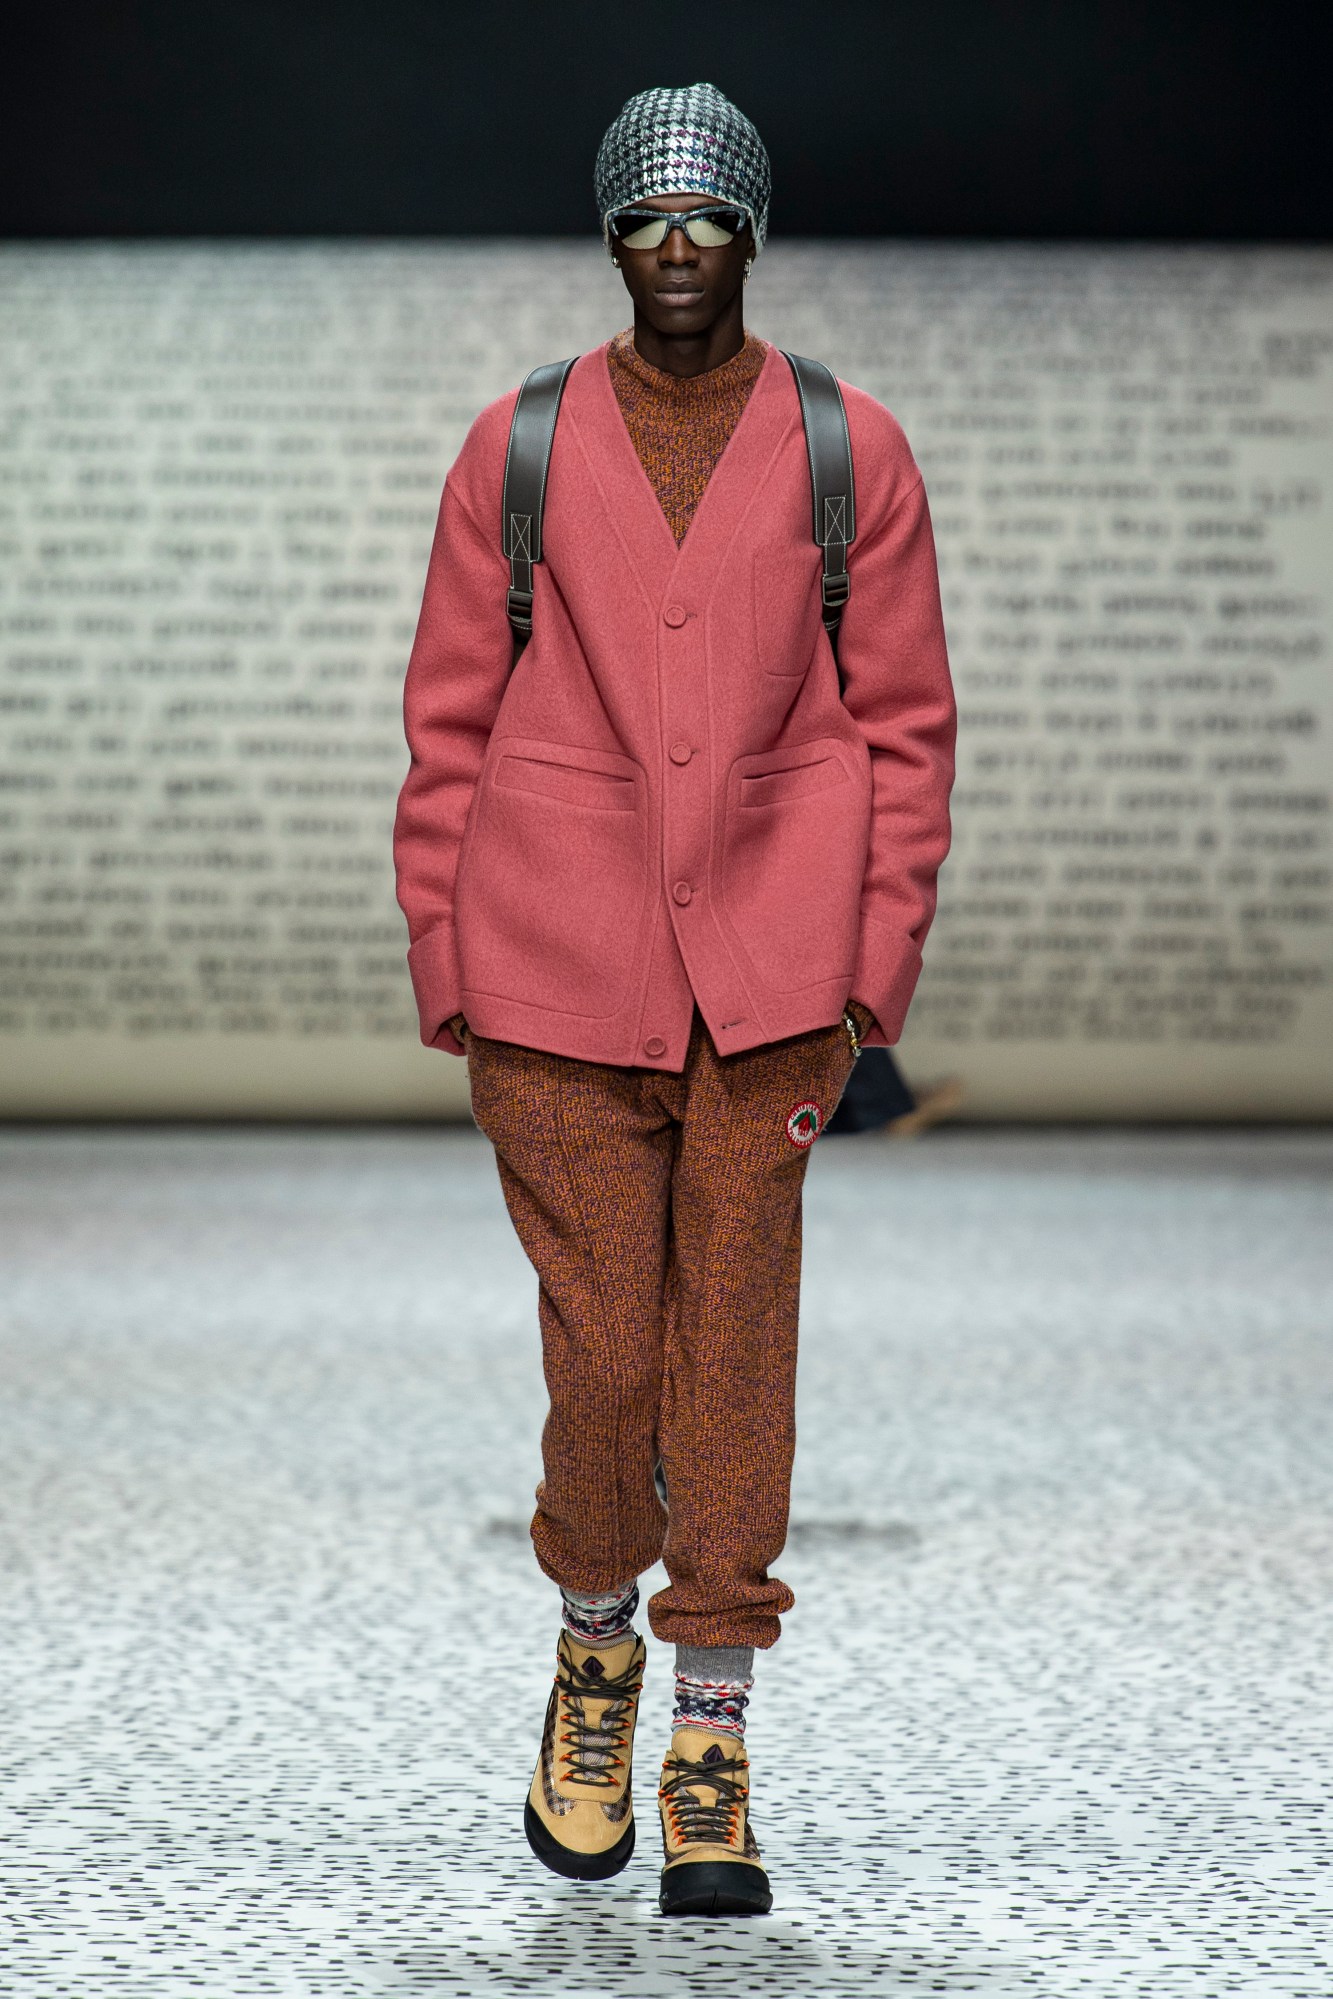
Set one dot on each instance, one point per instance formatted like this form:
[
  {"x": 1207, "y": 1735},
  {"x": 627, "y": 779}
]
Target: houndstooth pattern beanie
[{"x": 687, "y": 141}]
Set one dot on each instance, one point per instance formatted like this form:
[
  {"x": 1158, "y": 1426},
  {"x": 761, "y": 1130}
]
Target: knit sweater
[{"x": 681, "y": 425}]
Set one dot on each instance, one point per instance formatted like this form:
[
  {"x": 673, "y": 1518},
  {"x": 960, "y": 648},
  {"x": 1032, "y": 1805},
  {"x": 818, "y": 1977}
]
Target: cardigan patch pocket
[
  {"x": 773, "y": 786},
  {"x": 604, "y": 790},
  {"x": 786, "y": 608},
  {"x": 794, "y": 817},
  {"x": 553, "y": 882}
]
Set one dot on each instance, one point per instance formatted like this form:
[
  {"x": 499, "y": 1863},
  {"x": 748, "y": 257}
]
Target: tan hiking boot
[
  {"x": 579, "y": 1817},
  {"x": 712, "y": 1863}
]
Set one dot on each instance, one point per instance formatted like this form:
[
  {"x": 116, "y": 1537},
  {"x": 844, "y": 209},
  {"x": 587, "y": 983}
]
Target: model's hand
[{"x": 863, "y": 1017}]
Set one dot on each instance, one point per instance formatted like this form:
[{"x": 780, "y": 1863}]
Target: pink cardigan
[{"x": 668, "y": 801}]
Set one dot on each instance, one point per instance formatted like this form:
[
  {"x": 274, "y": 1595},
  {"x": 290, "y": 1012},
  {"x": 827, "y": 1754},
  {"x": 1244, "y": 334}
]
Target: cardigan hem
[{"x": 616, "y": 1042}]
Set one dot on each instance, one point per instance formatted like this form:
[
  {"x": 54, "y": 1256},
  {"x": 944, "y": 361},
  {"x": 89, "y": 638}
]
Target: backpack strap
[
  {"x": 828, "y": 445},
  {"x": 531, "y": 435}
]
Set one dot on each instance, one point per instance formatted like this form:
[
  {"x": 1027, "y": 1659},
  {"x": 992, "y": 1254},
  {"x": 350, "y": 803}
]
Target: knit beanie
[{"x": 687, "y": 141}]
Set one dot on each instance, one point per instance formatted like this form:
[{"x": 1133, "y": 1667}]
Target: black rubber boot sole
[
  {"x": 715, "y": 1888},
  {"x": 576, "y": 1866}
]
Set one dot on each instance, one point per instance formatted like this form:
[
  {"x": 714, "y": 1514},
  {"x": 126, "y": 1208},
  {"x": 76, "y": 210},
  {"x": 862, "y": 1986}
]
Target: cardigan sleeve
[
  {"x": 456, "y": 678},
  {"x": 896, "y": 686}
]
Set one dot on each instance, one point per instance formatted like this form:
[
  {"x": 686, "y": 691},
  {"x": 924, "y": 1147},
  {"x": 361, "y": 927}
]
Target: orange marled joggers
[{"x": 662, "y": 1214}]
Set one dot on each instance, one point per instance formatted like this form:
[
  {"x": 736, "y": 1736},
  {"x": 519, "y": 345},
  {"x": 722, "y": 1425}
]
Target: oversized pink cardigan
[{"x": 668, "y": 801}]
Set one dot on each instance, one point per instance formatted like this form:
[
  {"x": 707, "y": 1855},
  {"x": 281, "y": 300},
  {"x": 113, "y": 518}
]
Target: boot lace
[
  {"x": 691, "y": 1818},
  {"x": 593, "y": 1751}
]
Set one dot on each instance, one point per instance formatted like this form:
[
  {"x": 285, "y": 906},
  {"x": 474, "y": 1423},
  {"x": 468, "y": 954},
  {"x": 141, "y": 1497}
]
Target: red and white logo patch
[{"x": 805, "y": 1121}]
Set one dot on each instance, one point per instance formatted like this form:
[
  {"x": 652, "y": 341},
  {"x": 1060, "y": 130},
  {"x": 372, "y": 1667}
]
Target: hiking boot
[
  {"x": 712, "y": 1863},
  {"x": 579, "y": 1816}
]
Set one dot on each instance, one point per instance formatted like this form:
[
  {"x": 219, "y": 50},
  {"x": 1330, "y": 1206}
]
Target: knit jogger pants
[{"x": 662, "y": 1214}]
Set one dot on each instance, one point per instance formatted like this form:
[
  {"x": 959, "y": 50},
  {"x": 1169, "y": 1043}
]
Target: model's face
[{"x": 680, "y": 289}]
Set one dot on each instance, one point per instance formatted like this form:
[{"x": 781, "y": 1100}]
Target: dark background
[{"x": 1116, "y": 118}]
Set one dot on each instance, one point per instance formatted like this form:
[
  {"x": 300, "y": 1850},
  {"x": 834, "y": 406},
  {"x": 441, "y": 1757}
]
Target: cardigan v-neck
[
  {"x": 681, "y": 425},
  {"x": 594, "y": 431}
]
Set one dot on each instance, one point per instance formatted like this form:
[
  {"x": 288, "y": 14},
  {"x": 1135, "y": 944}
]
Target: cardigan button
[
  {"x": 682, "y": 891},
  {"x": 675, "y": 615},
  {"x": 681, "y": 753},
  {"x": 654, "y": 1045}
]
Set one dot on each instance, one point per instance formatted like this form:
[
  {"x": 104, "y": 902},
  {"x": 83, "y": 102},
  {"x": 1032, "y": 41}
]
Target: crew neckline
[{"x": 739, "y": 368}]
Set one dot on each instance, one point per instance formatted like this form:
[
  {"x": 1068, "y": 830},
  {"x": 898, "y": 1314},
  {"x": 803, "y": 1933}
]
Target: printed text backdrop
[{"x": 219, "y": 470}]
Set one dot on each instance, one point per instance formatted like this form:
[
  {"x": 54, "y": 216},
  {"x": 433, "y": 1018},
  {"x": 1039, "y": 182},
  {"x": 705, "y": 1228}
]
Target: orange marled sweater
[{"x": 681, "y": 426}]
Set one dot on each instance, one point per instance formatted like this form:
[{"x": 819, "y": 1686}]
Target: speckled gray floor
[{"x": 1052, "y": 1712}]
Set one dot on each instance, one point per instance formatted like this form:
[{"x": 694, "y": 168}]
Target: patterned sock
[
  {"x": 600, "y": 1618},
  {"x": 713, "y": 1683}
]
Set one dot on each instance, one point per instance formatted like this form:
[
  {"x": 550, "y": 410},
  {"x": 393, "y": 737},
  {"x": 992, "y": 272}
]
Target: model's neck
[{"x": 689, "y": 354}]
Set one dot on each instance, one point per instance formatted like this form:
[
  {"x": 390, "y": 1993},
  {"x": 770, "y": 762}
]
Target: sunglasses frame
[{"x": 679, "y": 219}]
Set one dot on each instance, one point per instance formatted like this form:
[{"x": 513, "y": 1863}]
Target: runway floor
[{"x": 1051, "y": 1715}]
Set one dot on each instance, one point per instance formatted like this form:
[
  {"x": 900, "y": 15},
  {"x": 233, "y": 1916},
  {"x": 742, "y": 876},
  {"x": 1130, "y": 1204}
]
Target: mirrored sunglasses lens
[
  {"x": 719, "y": 226},
  {"x": 636, "y": 233}
]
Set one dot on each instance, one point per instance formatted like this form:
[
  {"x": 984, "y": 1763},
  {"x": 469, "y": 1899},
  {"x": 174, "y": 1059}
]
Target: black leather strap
[
  {"x": 531, "y": 435},
  {"x": 833, "y": 490}
]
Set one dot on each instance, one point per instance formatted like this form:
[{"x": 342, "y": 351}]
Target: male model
[{"x": 661, "y": 877}]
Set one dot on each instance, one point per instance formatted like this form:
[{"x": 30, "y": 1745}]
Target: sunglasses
[{"x": 648, "y": 228}]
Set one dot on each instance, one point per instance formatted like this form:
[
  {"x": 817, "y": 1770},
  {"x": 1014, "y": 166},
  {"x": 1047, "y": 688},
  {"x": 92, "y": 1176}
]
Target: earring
[
  {"x": 616, "y": 262},
  {"x": 749, "y": 266}
]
